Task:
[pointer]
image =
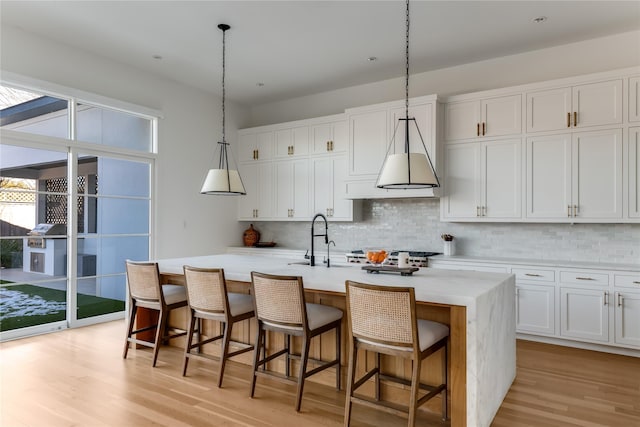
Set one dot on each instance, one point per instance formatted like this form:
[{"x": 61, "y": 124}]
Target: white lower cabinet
[
  {"x": 599, "y": 308},
  {"x": 627, "y": 326},
  {"x": 584, "y": 314},
  {"x": 535, "y": 308}
]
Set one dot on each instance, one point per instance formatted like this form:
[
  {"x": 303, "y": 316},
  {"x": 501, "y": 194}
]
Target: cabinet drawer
[
  {"x": 584, "y": 278},
  {"x": 627, "y": 280},
  {"x": 534, "y": 274}
]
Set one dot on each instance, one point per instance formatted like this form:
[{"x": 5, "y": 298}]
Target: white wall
[
  {"x": 187, "y": 223},
  {"x": 591, "y": 56}
]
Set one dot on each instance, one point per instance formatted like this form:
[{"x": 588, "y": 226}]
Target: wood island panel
[{"x": 323, "y": 347}]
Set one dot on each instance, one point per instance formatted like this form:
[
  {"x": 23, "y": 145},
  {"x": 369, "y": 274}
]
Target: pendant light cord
[
  {"x": 224, "y": 33},
  {"x": 406, "y": 87}
]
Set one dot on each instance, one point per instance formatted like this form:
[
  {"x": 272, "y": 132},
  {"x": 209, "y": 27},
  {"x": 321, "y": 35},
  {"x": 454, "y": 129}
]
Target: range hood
[{"x": 356, "y": 190}]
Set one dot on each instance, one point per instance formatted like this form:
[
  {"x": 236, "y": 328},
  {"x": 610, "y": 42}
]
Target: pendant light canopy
[
  {"x": 405, "y": 169},
  {"x": 225, "y": 180}
]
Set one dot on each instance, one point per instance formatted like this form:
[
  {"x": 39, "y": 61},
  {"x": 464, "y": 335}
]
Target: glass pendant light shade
[{"x": 406, "y": 169}]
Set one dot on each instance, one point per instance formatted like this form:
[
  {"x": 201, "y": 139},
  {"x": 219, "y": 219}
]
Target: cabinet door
[
  {"x": 627, "y": 324},
  {"x": 424, "y": 115},
  {"x": 597, "y": 174},
  {"x": 549, "y": 110},
  {"x": 265, "y": 190},
  {"x": 342, "y": 207},
  {"x": 246, "y": 147},
  {"x": 501, "y": 116},
  {"x": 283, "y": 189},
  {"x": 462, "y": 120},
  {"x": 248, "y": 203},
  {"x": 548, "y": 175},
  {"x": 283, "y": 142},
  {"x": 301, "y": 182},
  {"x": 535, "y": 308},
  {"x": 330, "y": 137},
  {"x": 634, "y": 172},
  {"x": 462, "y": 181},
  {"x": 323, "y": 184},
  {"x": 585, "y": 314},
  {"x": 367, "y": 143},
  {"x": 634, "y": 99},
  {"x": 264, "y": 145},
  {"x": 598, "y": 103},
  {"x": 502, "y": 178}
]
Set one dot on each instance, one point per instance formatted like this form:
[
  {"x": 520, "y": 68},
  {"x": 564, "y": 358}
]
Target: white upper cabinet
[
  {"x": 579, "y": 106},
  {"x": 575, "y": 176},
  {"x": 483, "y": 118},
  {"x": 327, "y": 138},
  {"x": 292, "y": 189},
  {"x": 258, "y": 183},
  {"x": 367, "y": 143},
  {"x": 255, "y": 146},
  {"x": 292, "y": 142},
  {"x": 634, "y": 172},
  {"x": 483, "y": 180},
  {"x": 328, "y": 176},
  {"x": 424, "y": 117},
  {"x": 634, "y": 99}
]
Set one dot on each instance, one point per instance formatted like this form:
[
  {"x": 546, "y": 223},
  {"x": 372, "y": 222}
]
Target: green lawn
[{"x": 29, "y": 305}]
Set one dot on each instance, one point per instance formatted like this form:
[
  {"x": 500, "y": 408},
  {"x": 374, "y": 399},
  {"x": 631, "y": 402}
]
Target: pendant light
[
  {"x": 405, "y": 169},
  {"x": 225, "y": 180}
]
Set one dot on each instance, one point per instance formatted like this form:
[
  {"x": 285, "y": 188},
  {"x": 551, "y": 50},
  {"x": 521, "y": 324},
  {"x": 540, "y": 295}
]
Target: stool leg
[
  {"x": 353, "y": 351},
  {"x": 338, "y": 367},
  {"x": 415, "y": 387},
  {"x": 377, "y": 390},
  {"x": 287, "y": 343},
  {"x": 224, "y": 351},
  {"x": 445, "y": 381},
  {"x": 187, "y": 348},
  {"x": 132, "y": 318},
  {"x": 256, "y": 357},
  {"x": 303, "y": 369},
  {"x": 159, "y": 335}
]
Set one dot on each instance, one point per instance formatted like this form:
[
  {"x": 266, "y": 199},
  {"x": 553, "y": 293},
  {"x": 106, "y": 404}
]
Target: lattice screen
[{"x": 56, "y": 204}]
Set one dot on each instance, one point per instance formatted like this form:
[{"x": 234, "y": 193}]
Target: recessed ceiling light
[
  {"x": 157, "y": 57},
  {"x": 372, "y": 58},
  {"x": 539, "y": 19},
  {"x": 259, "y": 84}
]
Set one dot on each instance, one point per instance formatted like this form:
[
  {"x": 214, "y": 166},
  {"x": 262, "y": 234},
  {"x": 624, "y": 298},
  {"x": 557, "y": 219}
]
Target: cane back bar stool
[
  {"x": 146, "y": 291},
  {"x": 383, "y": 320},
  {"x": 280, "y": 307},
  {"x": 208, "y": 299}
]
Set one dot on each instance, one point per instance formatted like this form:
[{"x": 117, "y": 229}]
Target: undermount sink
[
  {"x": 299, "y": 263},
  {"x": 307, "y": 263}
]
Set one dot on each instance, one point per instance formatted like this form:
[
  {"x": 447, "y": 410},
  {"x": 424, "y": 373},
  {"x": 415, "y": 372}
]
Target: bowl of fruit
[{"x": 377, "y": 257}]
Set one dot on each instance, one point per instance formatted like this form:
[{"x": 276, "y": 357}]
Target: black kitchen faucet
[{"x": 312, "y": 259}]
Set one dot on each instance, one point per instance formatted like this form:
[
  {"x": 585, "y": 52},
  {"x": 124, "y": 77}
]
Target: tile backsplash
[{"x": 414, "y": 224}]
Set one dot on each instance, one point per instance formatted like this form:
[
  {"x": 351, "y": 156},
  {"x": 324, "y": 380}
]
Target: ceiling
[{"x": 297, "y": 48}]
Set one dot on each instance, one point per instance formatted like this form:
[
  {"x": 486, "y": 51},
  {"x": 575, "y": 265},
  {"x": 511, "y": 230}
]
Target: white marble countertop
[
  {"x": 538, "y": 262},
  {"x": 431, "y": 285}
]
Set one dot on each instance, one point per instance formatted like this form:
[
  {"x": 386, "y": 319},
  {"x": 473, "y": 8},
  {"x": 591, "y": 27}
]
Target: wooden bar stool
[
  {"x": 146, "y": 291},
  {"x": 280, "y": 307},
  {"x": 208, "y": 299},
  {"x": 383, "y": 320}
]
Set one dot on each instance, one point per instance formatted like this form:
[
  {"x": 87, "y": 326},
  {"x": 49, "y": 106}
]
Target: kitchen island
[{"x": 477, "y": 306}]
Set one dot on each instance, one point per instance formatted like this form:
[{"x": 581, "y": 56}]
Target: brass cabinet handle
[
  {"x": 585, "y": 278},
  {"x": 533, "y": 275},
  {"x": 620, "y": 299},
  {"x": 331, "y": 145},
  {"x": 575, "y": 210},
  {"x": 477, "y": 129},
  {"x": 477, "y": 210},
  {"x": 484, "y": 211},
  {"x": 606, "y": 298},
  {"x": 257, "y": 154},
  {"x": 568, "y": 210},
  {"x": 568, "y": 120},
  {"x": 575, "y": 118},
  {"x": 328, "y": 146},
  {"x": 483, "y": 128},
  {"x": 636, "y": 282}
]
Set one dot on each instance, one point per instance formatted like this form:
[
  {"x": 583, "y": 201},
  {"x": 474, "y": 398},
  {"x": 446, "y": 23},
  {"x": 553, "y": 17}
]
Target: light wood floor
[{"x": 78, "y": 378}]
